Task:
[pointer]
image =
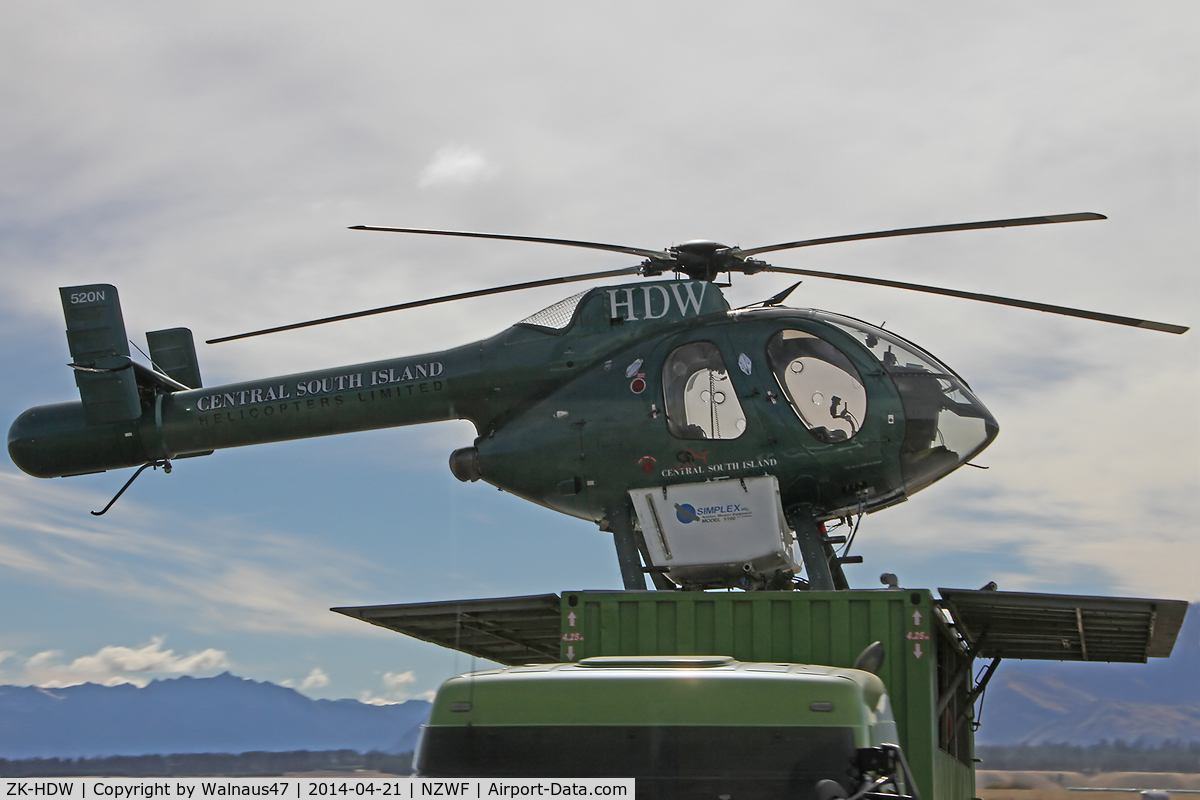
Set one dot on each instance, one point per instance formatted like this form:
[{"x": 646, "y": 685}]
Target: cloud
[
  {"x": 221, "y": 574},
  {"x": 316, "y": 679},
  {"x": 115, "y": 664},
  {"x": 396, "y": 681},
  {"x": 454, "y": 165},
  {"x": 395, "y": 690}
]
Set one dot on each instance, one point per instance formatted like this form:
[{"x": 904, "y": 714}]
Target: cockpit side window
[
  {"x": 699, "y": 397},
  {"x": 822, "y": 385}
]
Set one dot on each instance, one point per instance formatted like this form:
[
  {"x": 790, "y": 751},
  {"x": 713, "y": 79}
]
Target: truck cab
[{"x": 682, "y": 726}]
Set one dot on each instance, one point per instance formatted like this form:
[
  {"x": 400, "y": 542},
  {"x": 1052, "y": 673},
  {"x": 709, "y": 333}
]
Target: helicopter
[{"x": 715, "y": 444}]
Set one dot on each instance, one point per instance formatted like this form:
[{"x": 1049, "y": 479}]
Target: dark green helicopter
[{"x": 710, "y": 441}]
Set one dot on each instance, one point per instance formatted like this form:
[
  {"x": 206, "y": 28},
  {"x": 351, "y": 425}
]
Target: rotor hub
[
  {"x": 700, "y": 247},
  {"x": 699, "y": 259}
]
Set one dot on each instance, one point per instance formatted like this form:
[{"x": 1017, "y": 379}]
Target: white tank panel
[{"x": 714, "y": 522}]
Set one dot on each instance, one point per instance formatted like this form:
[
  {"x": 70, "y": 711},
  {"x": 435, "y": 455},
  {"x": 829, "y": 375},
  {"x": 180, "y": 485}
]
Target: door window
[
  {"x": 700, "y": 399},
  {"x": 820, "y": 382}
]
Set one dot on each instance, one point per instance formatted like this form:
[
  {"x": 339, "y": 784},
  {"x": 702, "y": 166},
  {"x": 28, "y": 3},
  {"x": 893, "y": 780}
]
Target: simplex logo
[{"x": 688, "y": 513}]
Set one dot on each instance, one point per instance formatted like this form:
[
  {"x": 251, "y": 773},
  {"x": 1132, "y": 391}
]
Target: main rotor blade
[
  {"x": 615, "y": 248},
  {"x": 986, "y": 298},
  {"x": 515, "y": 287},
  {"x": 961, "y": 226}
]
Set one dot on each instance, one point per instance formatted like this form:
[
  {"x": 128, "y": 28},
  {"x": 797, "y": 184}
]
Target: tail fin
[
  {"x": 100, "y": 354},
  {"x": 174, "y": 352}
]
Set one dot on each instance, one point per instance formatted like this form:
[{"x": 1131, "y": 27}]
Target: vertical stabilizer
[
  {"x": 173, "y": 352},
  {"x": 100, "y": 354}
]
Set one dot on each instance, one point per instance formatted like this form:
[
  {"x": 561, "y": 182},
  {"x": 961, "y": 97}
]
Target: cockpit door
[{"x": 817, "y": 405}]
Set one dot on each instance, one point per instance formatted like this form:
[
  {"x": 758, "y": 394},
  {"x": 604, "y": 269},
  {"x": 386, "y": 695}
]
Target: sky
[{"x": 207, "y": 160}]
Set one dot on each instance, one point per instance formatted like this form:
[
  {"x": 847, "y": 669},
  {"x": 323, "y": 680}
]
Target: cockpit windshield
[{"x": 945, "y": 424}]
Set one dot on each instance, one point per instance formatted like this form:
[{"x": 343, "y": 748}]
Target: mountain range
[
  {"x": 1027, "y": 702},
  {"x": 223, "y": 714}
]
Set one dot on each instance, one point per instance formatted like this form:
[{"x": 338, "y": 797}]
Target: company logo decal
[
  {"x": 328, "y": 385},
  {"x": 654, "y": 301},
  {"x": 688, "y": 513},
  {"x": 320, "y": 393},
  {"x": 729, "y": 467}
]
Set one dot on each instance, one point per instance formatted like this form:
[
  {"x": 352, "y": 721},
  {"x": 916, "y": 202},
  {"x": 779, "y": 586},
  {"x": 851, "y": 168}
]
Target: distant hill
[
  {"x": 1036, "y": 701},
  {"x": 225, "y": 714}
]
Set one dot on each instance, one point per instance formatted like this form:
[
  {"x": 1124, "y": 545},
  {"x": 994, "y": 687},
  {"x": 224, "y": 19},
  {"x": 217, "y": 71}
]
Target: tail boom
[{"x": 59, "y": 440}]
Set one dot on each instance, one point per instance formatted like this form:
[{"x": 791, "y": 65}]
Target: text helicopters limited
[{"x": 714, "y": 443}]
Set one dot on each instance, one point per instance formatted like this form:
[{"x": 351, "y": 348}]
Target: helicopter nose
[{"x": 945, "y": 427}]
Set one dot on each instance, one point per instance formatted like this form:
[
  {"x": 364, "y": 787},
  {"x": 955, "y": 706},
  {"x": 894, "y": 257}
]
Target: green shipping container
[{"x": 931, "y": 644}]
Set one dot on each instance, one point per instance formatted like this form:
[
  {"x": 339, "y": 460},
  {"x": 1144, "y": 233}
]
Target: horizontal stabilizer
[{"x": 100, "y": 354}]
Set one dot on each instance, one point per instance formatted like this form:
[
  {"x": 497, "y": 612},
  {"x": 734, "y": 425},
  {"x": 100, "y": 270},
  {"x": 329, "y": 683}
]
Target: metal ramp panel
[
  {"x": 1056, "y": 627},
  {"x": 507, "y": 630}
]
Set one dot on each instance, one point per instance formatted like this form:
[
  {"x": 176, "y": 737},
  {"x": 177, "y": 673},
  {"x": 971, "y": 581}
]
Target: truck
[
  {"x": 810, "y": 694},
  {"x": 682, "y": 726}
]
